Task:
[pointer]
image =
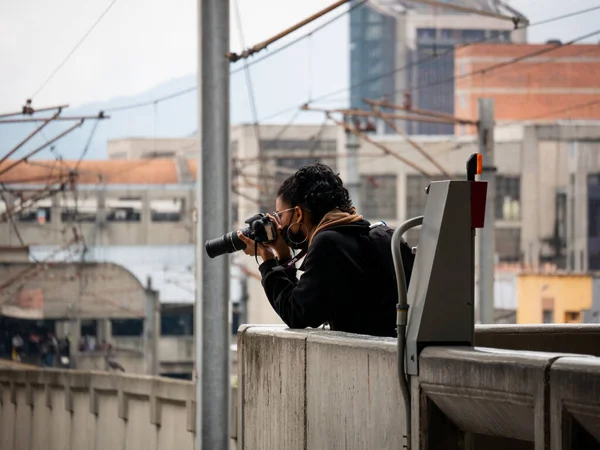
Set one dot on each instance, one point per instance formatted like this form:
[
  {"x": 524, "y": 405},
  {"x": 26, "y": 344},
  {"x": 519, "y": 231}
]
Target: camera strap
[{"x": 291, "y": 263}]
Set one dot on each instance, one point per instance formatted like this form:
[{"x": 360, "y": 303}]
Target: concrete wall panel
[
  {"x": 489, "y": 391},
  {"x": 40, "y": 436},
  {"x": 7, "y": 427},
  {"x": 575, "y": 403},
  {"x": 273, "y": 388},
  {"x": 353, "y": 396},
  {"x": 559, "y": 338},
  {"x": 22, "y": 421},
  {"x": 73, "y": 410},
  {"x": 140, "y": 433}
]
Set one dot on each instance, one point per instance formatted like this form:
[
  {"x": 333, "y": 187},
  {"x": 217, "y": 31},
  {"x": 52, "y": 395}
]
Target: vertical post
[
  {"x": 353, "y": 177},
  {"x": 156, "y": 334},
  {"x": 75, "y": 337},
  {"x": 151, "y": 331},
  {"x": 212, "y": 205},
  {"x": 487, "y": 235}
]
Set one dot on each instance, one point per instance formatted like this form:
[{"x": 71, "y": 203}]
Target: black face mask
[{"x": 294, "y": 239}]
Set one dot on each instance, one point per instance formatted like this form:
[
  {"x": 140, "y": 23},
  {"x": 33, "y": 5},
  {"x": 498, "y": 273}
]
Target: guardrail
[
  {"x": 305, "y": 390},
  {"x": 44, "y": 409},
  {"x": 308, "y": 389}
]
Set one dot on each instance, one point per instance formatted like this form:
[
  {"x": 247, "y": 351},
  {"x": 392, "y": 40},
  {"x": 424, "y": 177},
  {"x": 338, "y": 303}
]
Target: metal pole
[
  {"x": 487, "y": 235},
  {"x": 212, "y": 203},
  {"x": 156, "y": 332},
  {"x": 353, "y": 178},
  {"x": 151, "y": 330}
]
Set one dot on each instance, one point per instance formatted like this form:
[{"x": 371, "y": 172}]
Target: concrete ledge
[
  {"x": 352, "y": 390},
  {"x": 562, "y": 338},
  {"x": 68, "y": 409},
  {"x": 575, "y": 403},
  {"x": 272, "y": 386},
  {"x": 488, "y": 391}
]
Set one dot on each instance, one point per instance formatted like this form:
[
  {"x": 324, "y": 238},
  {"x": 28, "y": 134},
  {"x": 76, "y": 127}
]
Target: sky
[{"x": 142, "y": 43}]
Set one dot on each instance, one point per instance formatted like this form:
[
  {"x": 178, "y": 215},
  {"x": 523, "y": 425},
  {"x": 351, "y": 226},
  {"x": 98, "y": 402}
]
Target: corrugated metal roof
[{"x": 171, "y": 267}]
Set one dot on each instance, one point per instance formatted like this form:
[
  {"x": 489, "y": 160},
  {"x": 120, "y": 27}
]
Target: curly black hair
[{"x": 318, "y": 188}]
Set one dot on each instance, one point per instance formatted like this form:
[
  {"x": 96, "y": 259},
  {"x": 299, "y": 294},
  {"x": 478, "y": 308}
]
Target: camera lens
[{"x": 228, "y": 243}]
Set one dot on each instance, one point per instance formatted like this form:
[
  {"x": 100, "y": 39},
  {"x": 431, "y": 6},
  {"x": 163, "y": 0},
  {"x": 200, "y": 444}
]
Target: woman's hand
[
  {"x": 261, "y": 250},
  {"x": 280, "y": 248},
  {"x": 270, "y": 250}
]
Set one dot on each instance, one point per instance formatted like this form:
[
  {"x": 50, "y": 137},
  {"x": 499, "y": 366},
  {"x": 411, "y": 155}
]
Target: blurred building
[
  {"x": 399, "y": 47},
  {"x": 139, "y": 212},
  {"x": 554, "y": 298},
  {"x": 563, "y": 84},
  {"x": 144, "y": 148}
]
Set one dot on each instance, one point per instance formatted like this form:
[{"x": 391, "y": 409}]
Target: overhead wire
[
  {"x": 248, "y": 64},
  {"x": 249, "y": 85},
  {"x": 74, "y": 49},
  {"x": 421, "y": 61}
]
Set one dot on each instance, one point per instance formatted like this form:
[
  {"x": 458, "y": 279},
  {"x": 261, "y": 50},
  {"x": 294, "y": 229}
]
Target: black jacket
[{"x": 348, "y": 281}]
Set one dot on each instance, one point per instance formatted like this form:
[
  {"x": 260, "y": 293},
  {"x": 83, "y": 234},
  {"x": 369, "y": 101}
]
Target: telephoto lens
[{"x": 228, "y": 243}]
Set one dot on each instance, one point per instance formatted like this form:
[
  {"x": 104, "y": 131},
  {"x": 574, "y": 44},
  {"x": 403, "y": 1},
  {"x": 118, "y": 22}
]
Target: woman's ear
[{"x": 300, "y": 214}]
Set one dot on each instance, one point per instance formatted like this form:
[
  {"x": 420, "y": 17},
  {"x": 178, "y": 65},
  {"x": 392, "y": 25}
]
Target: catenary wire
[{"x": 74, "y": 49}]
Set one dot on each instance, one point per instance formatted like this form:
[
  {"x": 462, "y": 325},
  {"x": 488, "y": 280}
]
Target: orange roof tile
[{"x": 146, "y": 171}]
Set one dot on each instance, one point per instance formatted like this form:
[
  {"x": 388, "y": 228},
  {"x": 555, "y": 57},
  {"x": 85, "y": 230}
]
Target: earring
[{"x": 305, "y": 234}]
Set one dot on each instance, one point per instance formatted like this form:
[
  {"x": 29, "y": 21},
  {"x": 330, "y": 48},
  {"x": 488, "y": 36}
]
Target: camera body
[{"x": 260, "y": 229}]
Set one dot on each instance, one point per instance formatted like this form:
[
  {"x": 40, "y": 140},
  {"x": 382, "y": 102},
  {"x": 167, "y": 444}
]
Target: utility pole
[
  {"x": 151, "y": 330},
  {"x": 353, "y": 177},
  {"x": 213, "y": 209},
  {"x": 487, "y": 235}
]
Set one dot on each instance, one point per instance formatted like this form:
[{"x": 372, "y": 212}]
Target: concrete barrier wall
[
  {"x": 53, "y": 409},
  {"x": 314, "y": 390},
  {"x": 582, "y": 339},
  {"x": 309, "y": 389},
  {"x": 96, "y": 361},
  {"x": 74, "y": 410}
]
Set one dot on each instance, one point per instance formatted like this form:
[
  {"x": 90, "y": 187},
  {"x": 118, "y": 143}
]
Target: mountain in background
[{"x": 282, "y": 82}]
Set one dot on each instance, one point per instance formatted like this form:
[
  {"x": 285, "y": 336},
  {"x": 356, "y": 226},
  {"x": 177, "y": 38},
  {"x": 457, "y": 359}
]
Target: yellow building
[{"x": 553, "y": 298}]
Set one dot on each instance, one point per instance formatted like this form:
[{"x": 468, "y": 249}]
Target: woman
[{"x": 349, "y": 278}]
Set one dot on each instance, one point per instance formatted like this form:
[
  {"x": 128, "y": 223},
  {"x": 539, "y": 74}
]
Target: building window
[
  {"x": 572, "y": 317},
  {"x": 378, "y": 197},
  {"x": 374, "y": 32},
  {"x": 80, "y": 210},
  {"x": 158, "y": 154},
  {"x": 508, "y": 198},
  {"x": 548, "y": 316},
  {"x": 177, "y": 324},
  {"x": 40, "y": 212},
  {"x": 127, "y": 327},
  {"x": 499, "y": 36},
  {"x": 166, "y": 210},
  {"x": 473, "y": 35},
  {"x": 508, "y": 244},
  {"x": 323, "y": 146},
  {"x": 124, "y": 210},
  {"x": 426, "y": 34}
]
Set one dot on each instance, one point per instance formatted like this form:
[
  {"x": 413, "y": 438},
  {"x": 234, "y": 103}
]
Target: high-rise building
[{"x": 400, "y": 48}]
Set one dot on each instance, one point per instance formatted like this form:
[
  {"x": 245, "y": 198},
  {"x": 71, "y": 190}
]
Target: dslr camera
[{"x": 260, "y": 229}]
